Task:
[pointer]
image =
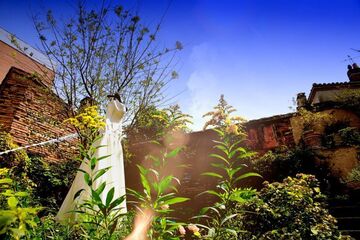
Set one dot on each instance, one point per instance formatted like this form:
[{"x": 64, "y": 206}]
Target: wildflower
[
  {"x": 193, "y": 228},
  {"x": 4, "y": 171},
  {"x": 232, "y": 129},
  {"x": 164, "y": 207},
  {"x": 182, "y": 230}
]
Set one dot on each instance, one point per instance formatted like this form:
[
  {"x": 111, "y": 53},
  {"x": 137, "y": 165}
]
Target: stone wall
[{"x": 32, "y": 113}]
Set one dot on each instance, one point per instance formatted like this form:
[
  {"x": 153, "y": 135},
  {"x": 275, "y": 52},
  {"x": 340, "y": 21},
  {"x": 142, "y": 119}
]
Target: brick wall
[{"x": 32, "y": 113}]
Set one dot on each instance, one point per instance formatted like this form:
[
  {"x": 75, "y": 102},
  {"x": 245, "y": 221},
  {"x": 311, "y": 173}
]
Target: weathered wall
[
  {"x": 10, "y": 57},
  {"x": 337, "y": 114},
  {"x": 340, "y": 160},
  {"x": 32, "y": 113},
  {"x": 269, "y": 133}
]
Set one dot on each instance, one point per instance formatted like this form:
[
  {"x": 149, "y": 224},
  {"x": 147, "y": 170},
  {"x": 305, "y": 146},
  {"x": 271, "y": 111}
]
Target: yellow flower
[
  {"x": 3, "y": 171},
  {"x": 88, "y": 119},
  {"x": 232, "y": 129}
]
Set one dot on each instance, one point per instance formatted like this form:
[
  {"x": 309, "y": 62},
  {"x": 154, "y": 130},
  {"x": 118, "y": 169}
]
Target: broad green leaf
[
  {"x": 176, "y": 200},
  {"x": 222, "y": 148},
  {"x": 234, "y": 145},
  {"x": 101, "y": 172},
  {"x": 95, "y": 196},
  {"x": 219, "y": 157},
  {"x": 228, "y": 218},
  {"x": 117, "y": 202},
  {"x": 232, "y": 153},
  {"x": 103, "y": 157},
  {"x": 220, "y": 132},
  {"x": 77, "y": 194},
  {"x": 101, "y": 188},
  {"x": 21, "y": 194},
  {"x": 145, "y": 183},
  {"x": 135, "y": 194},
  {"x": 233, "y": 171},
  {"x": 143, "y": 170},
  {"x": 110, "y": 196},
  {"x": 218, "y": 165},
  {"x": 164, "y": 184},
  {"x": 212, "y": 174},
  {"x": 246, "y": 155},
  {"x": 12, "y": 202},
  {"x": 173, "y": 153},
  {"x": 211, "y": 192},
  {"x": 93, "y": 162},
  {"x": 246, "y": 175},
  {"x": 6, "y": 181},
  {"x": 165, "y": 197},
  {"x": 87, "y": 179},
  {"x": 220, "y": 143}
]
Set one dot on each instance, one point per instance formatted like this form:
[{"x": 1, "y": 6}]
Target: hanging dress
[{"x": 114, "y": 177}]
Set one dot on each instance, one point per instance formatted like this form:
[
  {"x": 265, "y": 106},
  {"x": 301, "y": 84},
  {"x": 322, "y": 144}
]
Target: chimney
[
  {"x": 353, "y": 73},
  {"x": 301, "y": 100}
]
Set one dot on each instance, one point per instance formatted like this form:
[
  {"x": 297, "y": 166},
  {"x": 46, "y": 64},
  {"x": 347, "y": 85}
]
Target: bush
[
  {"x": 276, "y": 165},
  {"x": 51, "y": 181},
  {"x": 293, "y": 209},
  {"x": 350, "y": 136},
  {"x": 354, "y": 175}
]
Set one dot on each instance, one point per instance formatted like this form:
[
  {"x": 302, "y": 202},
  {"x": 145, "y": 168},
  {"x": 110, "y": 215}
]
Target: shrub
[
  {"x": 16, "y": 220},
  {"x": 349, "y": 99},
  {"x": 311, "y": 120},
  {"x": 350, "y": 136},
  {"x": 47, "y": 183},
  {"x": 293, "y": 209},
  {"x": 276, "y": 165},
  {"x": 354, "y": 175}
]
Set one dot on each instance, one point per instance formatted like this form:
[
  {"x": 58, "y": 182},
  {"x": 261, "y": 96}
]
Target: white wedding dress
[{"x": 114, "y": 177}]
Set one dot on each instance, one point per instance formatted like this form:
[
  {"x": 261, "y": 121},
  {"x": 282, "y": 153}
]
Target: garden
[{"x": 290, "y": 206}]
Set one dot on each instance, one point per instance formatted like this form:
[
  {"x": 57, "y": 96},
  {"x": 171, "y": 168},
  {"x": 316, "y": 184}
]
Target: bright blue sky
[{"x": 259, "y": 53}]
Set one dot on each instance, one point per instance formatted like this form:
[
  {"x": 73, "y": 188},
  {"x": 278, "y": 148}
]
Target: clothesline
[{"x": 54, "y": 140}]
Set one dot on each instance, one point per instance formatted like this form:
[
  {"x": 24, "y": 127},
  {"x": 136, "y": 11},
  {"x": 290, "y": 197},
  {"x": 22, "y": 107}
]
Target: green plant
[
  {"x": 354, "y": 175},
  {"x": 152, "y": 123},
  {"x": 230, "y": 166},
  {"x": 15, "y": 221},
  {"x": 100, "y": 218},
  {"x": 49, "y": 228},
  {"x": 277, "y": 164},
  {"x": 312, "y": 120},
  {"x": 349, "y": 99},
  {"x": 220, "y": 117},
  {"x": 159, "y": 194},
  {"x": 293, "y": 209},
  {"x": 350, "y": 136}
]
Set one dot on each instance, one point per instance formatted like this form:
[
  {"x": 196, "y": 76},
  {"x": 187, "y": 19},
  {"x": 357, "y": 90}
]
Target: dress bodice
[{"x": 114, "y": 114}]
